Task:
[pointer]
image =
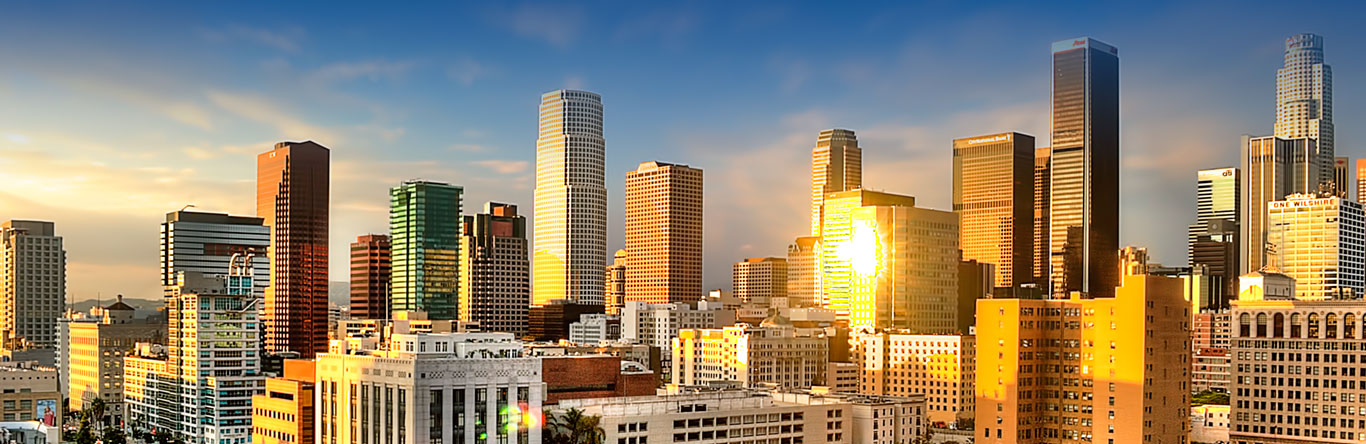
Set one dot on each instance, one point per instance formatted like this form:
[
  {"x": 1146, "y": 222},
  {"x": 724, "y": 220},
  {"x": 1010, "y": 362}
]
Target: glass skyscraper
[
  {"x": 424, "y": 229},
  {"x": 292, "y": 183},
  {"x": 993, "y": 195},
  {"x": 1304, "y": 98},
  {"x": 1084, "y": 212},
  {"x": 569, "y": 227}
]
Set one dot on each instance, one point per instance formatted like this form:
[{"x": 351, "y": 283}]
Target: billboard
[{"x": 46, "y": 411}]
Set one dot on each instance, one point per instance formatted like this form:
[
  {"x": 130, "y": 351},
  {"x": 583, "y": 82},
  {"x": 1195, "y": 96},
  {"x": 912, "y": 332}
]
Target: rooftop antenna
[{"x": 186, "y": 207}]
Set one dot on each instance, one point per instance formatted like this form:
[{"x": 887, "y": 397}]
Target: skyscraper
[
  {"x": 1342, "y": 177},
  {"x": 803, "y": 289},
  {"x": 1304, "y": 98},
  {"x": 371, "y": 273},
  {"x": 424, "y": 225},
  {"x": 1043, "y": 185},
  {"x": 1216, "y": 198},
  {"x": 193, "y": 241},
  {"x": 1273, "y": 168},
  {"x": 1212, "y": 241},
  {"x": 1361, "y": 181},
  {"x": 836, "y": 165},
  {"x": 1085, "y": 174},
  {"x": 663, "y": 233},
  {"x": 33, "y": 263},
  {"x": 993, "y": 195},
  {"x": 760, "y": 282},
  {"x": 495, "y": 272},
  {"x": 292, "y": 199},
  {"x": 570, "y": 221},
  {"x": 1321, "y": 243}
]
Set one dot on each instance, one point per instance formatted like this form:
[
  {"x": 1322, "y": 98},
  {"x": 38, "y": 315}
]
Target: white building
[
  {"x": 199, "y": 242},
  {"x": 431, "y": 388},
  {"x": 32, "y": 284},
  {"x": 940, "y": 367},
  {"x": 1321, "y": 243},
  {"x": 746, "y": 356},
  {"x": 200, "y": 388},
  {"x": 657, "y": 325},
  {"x": 1209, "y": 424},
  {"x": 594, "y": 329},
  {"x": 569, "y": 232}
]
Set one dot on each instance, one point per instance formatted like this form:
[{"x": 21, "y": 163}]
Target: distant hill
[
  {"x": 143, "y": 307},
  {"x": 339, "y": 293}
]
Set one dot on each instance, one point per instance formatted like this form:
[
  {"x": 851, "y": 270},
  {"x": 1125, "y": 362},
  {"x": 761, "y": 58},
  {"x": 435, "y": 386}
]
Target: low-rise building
[
  {"x": 93, "y": 356},
  {"x": 940, "y": 367},
  {"x": 594, "y": 376},
  {"x": 595, "y": 328},
  {"x": 658, "y": 324},
  {"x": 747, "y": 356},
  {"x": 28, "y": 392},
  {"x": 284, "y": 413},
  {"x": 1209, "y": 424},
  {"x": 842, "y": 377}
]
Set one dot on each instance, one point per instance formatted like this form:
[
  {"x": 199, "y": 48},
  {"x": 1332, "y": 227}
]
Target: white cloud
[
  {"x": 369, "y": 69},
  {"x": 285, "y": 39},
  {"x": 556, "y": 24},
  {"x": 503, "y": 166},
  {"x": 466, "y": 71}
]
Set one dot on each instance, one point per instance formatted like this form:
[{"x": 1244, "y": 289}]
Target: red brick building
[{"x": 598, "y": 376}]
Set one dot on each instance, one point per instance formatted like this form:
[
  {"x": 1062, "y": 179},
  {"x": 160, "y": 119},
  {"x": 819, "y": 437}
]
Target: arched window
[
  {"x": 1313, "y": 332},
  {"x": 1349, "y": 326},
  {"x": 1296, "y": 325},
  {"x": 1278, "y": 325},
  {"x": 1261, "y": 325},
  {"x": 1331, "y": 329},
  {"x": 1245, "y": 325}
]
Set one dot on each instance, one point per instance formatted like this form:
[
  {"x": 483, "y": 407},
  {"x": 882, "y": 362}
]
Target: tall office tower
[
  {"x": 1321, "y": 243},
  {"x": 888, "y": 264},
  {"x": 1342, "y": 177},
  {"x": 1304, "y": 98},
  {"x": 193, "y": 241},
  {"x": 760, "y": 282},
  {"x": 1273, "y": 168},
  {"x": 836, "y": 165},
  {"x": 976, "y": 280},
  {"x": 569, "y": 230},
  {"x": 1296, "y": 372},
  {"x": 803, "y": 288},
  {"x": 292, "y": 198},
  {"x": 663, "y": 233},
  {"x": 940, "y": 367},
  {"x": 424, "y": 225},
  {"x": 210, "y": 362},
  {"x": 33, "y": 264},
  {"x": 1043, "y": 185},
  {"x": 614, "y": 284},
  {"x": 1085, "y": 176},
  {"x": 371, "y": 270},
  {"x": 495, "y": 273},
  {"x": 1123, "y": 376},
  {"x": 1212, "y": 241},
  {"x": 1361, "y": 181},
  {"x": 993, "y": 195}
]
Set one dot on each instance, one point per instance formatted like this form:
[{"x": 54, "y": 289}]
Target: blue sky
[{"x": 112, "y": 115}]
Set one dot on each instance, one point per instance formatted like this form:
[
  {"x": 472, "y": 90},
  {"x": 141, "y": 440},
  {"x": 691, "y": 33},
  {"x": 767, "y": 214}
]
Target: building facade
[
  {"x": 1043, "y": 186},
  {"x": 371, "y": 271},
  {"x": 1304, "y": 99},
  {"x": 760, "y": 282},
  {"x": 1085, "y": 168},
  {"x": 424, "y": 223},
  {"x": 938, "y": 367},
  {"x": 663, "y": 233},
  {"x": 747, "y": 356},
  {"x": 836, "y": 165},
  {"x": 1274, "y": 168},
  {"x": 199, "y": 242},
  {"x": 292, "y": 182},
  {"x": 657, "y": 325},
  {"x": 569, "y": 231},
  {"x": 28, "y": 392},
  {"x": 1212, "y": 241},
  {"x": 284, "y": 414},
  {"x": 803, "y": 285},
  {"x": 1321, "y": 243},
  {"x": 993, "y": 195},
  {"x": 1210, "y": 342},
  {"x": 33, "y": 263},
  {"x": 94, "y": 355},
  {"x": 614, "y": 284},
  {"x": 495, "y": 272},
  {"x": 593, "y": 329}
]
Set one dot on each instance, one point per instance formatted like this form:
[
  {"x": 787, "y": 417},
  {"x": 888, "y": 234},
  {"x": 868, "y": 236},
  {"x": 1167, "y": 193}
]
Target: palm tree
[
  {"x": 573, "y": 427},
  {"x": 95, "y": 413}
]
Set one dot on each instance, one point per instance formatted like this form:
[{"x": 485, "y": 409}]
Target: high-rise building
[
  {"x": 284, "y": 414},
  {"x": 211, "y": 362},
  {"x": 495, "y": 272},
  {"x": 940, "y": 367},
  {"x": 371, "y": 271},
  {"x": 1342, "y": 177},
  {"x": 614, "y": 285},
  {"x": 457, "y": 388},
  {"x": 569, "y": 231},
  {"x": 663, "y": 233},
  {"x": 836, "y": 165},
  {"x": 424, "y": 226},
  {"x": 1085, "y": 169},
  {"x": 1216, "y": 198},
  {"x": 1118, "y": 366},
  {"x": 1297, "y": 372},
  {"x": 1043, "y": 185},
  {"x": 750, "y": 356},
  {"x": 878, "y": 272},
  {"x": 803, "y": 287},
  {"x": 976, "y": 280},
  {"x": 93, "y": 357},
  {"x": 1321, "y": 243},
  {"x": 1273, "y": 168},
  {"x": 1213, "y": 240},
  {"x": 193, "y": 241},
  {"x": 760, "y": 282},
  {"x": 292, "y": 183},
  {"x": 33, "y": 267},
  {"x": 993, "y": 195},
  {"x": 1361, "y": 181},
  {"x": 1304, "y": 99}
]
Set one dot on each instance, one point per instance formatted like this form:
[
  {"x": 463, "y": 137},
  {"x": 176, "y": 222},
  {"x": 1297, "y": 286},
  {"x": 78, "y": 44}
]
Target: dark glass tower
[
  {"x": 424, "y": 226},
  {"x": 292, "y": 199},
  {"x": 1084, "y": 212}
]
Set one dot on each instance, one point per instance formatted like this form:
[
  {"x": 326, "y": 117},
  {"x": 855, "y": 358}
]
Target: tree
[
  {"x": 112, "y": 435},
  {"x": 84, "y": 435},
  {"x": 573, "y": 427},
  {"x": 1209, "y": 397},
  {"x": 95, "y": 412}
]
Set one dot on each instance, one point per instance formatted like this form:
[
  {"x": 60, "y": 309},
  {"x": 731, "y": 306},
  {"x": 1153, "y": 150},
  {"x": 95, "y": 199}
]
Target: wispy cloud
[
  {"x": 467, "y": 70},
  {"x": 285, "y": 39},
  {"x": 369, "y": 69},
  {"x": 262, "y": 110},
  {"x": 793, "y": 73},
  {"x": 503, "y": 166},
  {"x": 468, "y": 148},
  {"x": 556, "y": 24}
]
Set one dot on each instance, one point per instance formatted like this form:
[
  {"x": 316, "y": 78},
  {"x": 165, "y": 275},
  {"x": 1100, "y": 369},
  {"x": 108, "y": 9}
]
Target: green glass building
[{"x": 424, "y": 224}]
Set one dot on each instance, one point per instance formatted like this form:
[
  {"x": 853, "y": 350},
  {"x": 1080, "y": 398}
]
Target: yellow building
[
  {"x": 663, "y": 233},
  {"x": 836, "y": 165},
  {"x": 1090, "y": 370},
  {"x": 284, "y": 414},
  {"x": 886, "y": 264},
  {"x": 747, "y": 356},
  {"x": 938, "y": 366},
  {"x": 569, "y": 224},
  {"x": 94, "y": 354},
  {"x": 993, "y": 194}
]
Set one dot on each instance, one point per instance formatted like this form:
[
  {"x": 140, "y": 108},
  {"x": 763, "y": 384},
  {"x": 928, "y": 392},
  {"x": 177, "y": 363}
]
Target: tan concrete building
[
  {"x": 836, "y": 165},
  {"x": 884, "y": 263},
  {"x": 32, "y": 284},
  {"x": 95, "y": 352},
  {"x": 28, "y": 392},
  {"x": 1089, "y": 370},
  {"x": 284, "y": 413},
  {"x": 760, "y": 282},
  {"x": 614, "y": 287},
  {"x": 747, "y": 356},
  {"x": 1043, "y": 180},
  {"x": 663, "y": 233},
  {"x": 495, "y": 274},
  {"x": 993, "y": 195},
  {"x": 940, "y": 367},
  {"x": 803, "y": 284}
]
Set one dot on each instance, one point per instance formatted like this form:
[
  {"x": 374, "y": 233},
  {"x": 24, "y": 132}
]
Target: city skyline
[{"x": 213, "y": 170}]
